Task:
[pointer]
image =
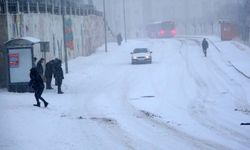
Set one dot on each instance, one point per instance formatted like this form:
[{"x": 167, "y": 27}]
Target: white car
[{"x": 141, "y": 55}]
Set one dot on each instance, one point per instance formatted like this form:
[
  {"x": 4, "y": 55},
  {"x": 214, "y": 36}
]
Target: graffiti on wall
[
  {"x": 59, "y": 45},
  {"x": 69, "y": 39},
  {"x": 82, "y": 35},
  {"x": 17, "y": 25}
]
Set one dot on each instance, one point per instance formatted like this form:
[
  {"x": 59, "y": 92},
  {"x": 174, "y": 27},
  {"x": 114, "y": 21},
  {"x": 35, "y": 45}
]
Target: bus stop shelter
[{"x": 19, "y": 53}]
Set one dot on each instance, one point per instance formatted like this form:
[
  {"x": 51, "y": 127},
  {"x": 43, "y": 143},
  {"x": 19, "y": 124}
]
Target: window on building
[
  {"x": 12, "y": 6},
  {"x": 42, "y": 6},
  {"x": 23, "y": 6},
  {"x": 33, "y": 6},
  {"x": 68, "y": 7},
  {"x": 57, "y": 7},
  {"x": 2, "y": 7},
  {"x": 49, "y": 6}
]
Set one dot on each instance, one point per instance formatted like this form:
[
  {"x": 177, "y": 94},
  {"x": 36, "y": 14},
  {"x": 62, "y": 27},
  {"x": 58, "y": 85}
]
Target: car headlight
[
  {"x": 147, "y": 56},
  {"x": 134, "y": 57}
]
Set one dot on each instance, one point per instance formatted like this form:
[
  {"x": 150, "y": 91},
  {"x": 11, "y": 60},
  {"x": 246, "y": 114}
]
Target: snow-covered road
[{"x": 180, "y": 101}]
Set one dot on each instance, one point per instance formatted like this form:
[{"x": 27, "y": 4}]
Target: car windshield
[{"x": 140, "y": 50}]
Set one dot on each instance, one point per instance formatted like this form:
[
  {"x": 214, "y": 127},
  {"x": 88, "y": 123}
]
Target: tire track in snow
[
  {"x": 116, "y": 132},
  {"x": 112, "y": 127},
  {"x": 80, "y": 107},
  {"x": 199, "y": 111},
  {"x": 242, "y": 99},
  {"x": 184, "y": 137},
  {"x": 154, "y": 126},
  {"x": 229, "y": 81}
]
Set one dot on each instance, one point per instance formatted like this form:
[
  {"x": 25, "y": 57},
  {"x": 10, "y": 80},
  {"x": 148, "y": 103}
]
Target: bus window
[{"x": 161, "y": 29}]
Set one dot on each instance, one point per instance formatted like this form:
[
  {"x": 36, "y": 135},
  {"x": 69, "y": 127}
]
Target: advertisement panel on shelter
[
  {"x": 14, "y": 60},
  {"x": 20, "y": 62}
]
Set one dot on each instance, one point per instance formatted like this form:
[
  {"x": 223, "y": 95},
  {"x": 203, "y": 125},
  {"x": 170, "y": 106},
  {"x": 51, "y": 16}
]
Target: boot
[
  {"x": 37, "y": 105},
  {"x": 59, "y": 89},
  {"x": 46, "y": 104},
  {"x": 49, "y": 88},
  {"x": 60, "y": 92}
]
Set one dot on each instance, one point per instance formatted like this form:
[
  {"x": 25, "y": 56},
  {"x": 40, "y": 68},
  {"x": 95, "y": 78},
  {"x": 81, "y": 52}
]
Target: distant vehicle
[
  {"x": 141, "y": 55},
  {"x": 165, "y": 29}
]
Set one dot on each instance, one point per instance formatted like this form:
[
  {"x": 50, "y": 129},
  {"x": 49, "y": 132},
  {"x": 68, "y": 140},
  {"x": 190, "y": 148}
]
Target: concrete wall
[
  {"x": 87, "y": 32},
  {"x": 3, "y": 38}
]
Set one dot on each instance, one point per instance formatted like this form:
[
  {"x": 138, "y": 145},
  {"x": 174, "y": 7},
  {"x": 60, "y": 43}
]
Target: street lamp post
[
  {"x": 124, "y": 21},
  {"x": 64, "y": 41},
  {"x": 105, "y": 26}
]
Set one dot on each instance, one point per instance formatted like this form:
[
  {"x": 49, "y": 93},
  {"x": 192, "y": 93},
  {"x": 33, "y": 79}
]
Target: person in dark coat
[
  {"x": 36, "y": 83},
  {"x": 205, "y": 46},
  {"x": 34, "y": 61},
  {"x": 58, "y": 75},
  {"x": 49, "y": 70},
  {"x": 39, "y": 66},
  {"x": 119, "y": 39}
]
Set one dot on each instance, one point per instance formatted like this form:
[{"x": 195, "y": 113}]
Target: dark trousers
[
  {"x": 48, "y": 82},
  {"x": 205, "y": 52},
  {"x": 59, "y": 84},
  {"x": 38, "y": 95}
]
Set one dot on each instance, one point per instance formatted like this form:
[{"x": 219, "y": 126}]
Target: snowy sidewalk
[{"x": 237, "y": 55}]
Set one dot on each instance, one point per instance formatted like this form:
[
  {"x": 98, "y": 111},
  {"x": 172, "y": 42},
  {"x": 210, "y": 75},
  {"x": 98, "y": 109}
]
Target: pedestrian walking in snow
[
  {"x": 119, "y": 39},
  {"x": 205, "y": 46},
  {"x": 39, "y": 67},
  {"x": 58, "y": 75},
  {"x": 36, "y": 83},
  {"x": 49, "y": 71}
]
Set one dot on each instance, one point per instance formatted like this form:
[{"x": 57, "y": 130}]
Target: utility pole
[
  {"x": 105, "y": 26},
  {"x": 64, "y": 41},
  {"x": 124, "y": 21},
  {"x": 7, "y": 7}
]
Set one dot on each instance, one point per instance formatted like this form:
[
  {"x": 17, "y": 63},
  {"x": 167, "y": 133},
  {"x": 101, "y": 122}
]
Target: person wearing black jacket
[
  {"x": 205, "y": 46},
  {"x": 49, "y": 70},
  {"x": 36, "y": 83},
  {"x": 119, "y": 39},
  {"x": 34, "y": 61},
  {"x": 58, "y": 75},
  {"x": 39, "y": 66}
]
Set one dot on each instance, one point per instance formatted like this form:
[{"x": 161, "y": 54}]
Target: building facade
[{"x": 74, "y": 27}]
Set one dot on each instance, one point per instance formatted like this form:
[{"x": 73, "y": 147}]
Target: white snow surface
[{"x": 182, "y": 100}]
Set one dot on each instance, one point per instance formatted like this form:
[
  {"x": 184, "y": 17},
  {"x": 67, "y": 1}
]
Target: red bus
[{"x": 164, "y": 29}]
